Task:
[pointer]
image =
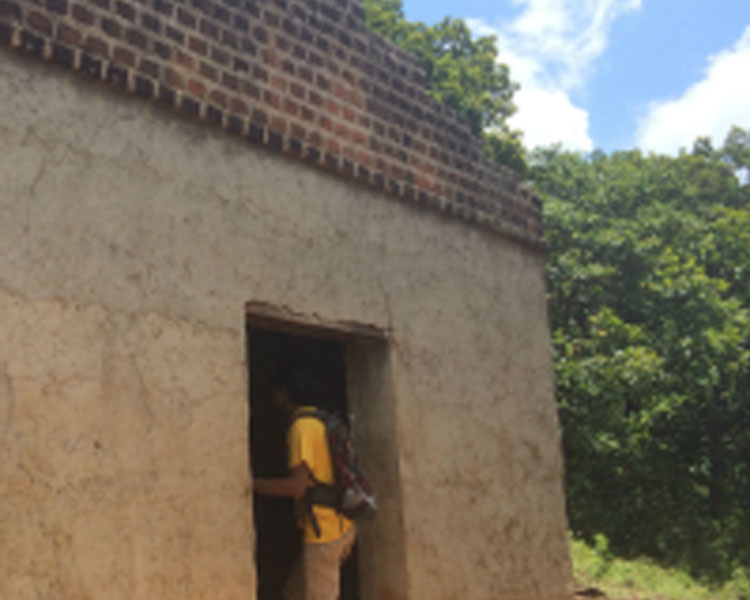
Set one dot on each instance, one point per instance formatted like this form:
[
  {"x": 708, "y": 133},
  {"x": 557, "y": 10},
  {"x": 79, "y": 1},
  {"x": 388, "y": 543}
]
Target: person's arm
[{"x": 291, "y": 486}]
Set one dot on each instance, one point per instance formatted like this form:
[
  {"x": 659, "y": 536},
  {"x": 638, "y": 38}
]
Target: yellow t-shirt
[{"x": 307, "y": 442}]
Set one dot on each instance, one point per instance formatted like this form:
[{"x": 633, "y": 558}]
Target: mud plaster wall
[{"x": 130, "y": 242}]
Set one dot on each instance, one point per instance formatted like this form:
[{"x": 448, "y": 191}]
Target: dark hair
[
  {"x": 304, "y": 387},
  {"x": 281, "y": 375}
]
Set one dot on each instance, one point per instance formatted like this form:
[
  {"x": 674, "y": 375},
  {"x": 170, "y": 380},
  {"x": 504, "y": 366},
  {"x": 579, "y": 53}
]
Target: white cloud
[
  {"x": 551, "y": 48},
  {"x": 548, "y": 117},
  {"x": 707, "y": 108}
]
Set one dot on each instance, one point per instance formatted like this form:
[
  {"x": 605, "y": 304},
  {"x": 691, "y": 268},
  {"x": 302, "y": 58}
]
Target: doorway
[{"x": 278, "y": 538}]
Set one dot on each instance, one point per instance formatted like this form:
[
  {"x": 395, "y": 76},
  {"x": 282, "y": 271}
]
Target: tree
[
  {"x": 649, "y": 296},
  {"x": 462, "y": 73}
]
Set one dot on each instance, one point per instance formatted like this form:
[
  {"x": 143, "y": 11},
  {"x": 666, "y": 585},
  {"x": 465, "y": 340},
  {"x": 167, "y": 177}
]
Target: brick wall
[{"x": 302, "y": 77}]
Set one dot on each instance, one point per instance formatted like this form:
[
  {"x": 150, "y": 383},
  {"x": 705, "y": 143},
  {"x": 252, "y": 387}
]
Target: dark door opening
[{"x": 278, "y": 539}]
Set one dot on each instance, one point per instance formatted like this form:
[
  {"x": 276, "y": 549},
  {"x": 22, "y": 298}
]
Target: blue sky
[{"x": 617, "y": 74}]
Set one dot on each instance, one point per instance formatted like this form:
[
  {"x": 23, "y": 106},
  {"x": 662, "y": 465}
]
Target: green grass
[{"x": 595, "y": 566}]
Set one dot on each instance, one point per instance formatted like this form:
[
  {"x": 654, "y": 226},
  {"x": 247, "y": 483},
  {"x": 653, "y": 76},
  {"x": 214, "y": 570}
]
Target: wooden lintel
[{"x": 267, "y": 316}]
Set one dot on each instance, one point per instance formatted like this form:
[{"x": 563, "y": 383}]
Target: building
[{"x": 284, "y": 187}]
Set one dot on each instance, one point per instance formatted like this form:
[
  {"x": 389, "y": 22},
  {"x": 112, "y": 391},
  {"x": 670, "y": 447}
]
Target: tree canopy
[
  {"x": 462, "y": 72},
  {"x": 649, "y": 300}
]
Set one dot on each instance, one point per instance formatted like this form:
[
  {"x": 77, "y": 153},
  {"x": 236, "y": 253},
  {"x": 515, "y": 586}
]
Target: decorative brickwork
[{"x": 303, "y": 77}]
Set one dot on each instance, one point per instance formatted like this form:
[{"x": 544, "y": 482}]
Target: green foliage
[
  {"x": 642, "y": 579},
  {"x": 603, "y": 555},
  {"x": 736, "y": 150},
  {"x": 505, "y": 147},
  {"x": 649, "y": 295},
  {"x": 462, "y": 73}
]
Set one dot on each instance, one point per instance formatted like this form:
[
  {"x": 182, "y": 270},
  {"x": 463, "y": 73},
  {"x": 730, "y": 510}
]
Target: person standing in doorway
[{"x": 328, "y": 536}]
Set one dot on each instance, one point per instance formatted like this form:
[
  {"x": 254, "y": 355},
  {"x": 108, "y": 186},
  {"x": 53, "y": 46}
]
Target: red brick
[
  {"x": 219, "y": 56},
  {"x": 271, "y": 98},
  {"x": 315, "y": 98},
  {"x": 218, "y": 98},
  {"x": 163, "y": 50},
  {"x": 299, "y": 52},
  {"x": 332, "y": 107},
  {"x": 58, "y": 6},
  {"x": 356, "y": 98},
  {"x": 271, "y": 18},
  {"x": 185, "y": 60},
  {"x": 315, "y": 59},
  {"x": 359, "y": 138},
  {"x": 315, "y": 139},
  {"x": 136, "y": 38},
  {"x": 364, "y": 159},
  {"x": 237, "y": 105},
  {"x": 259, "y": 117},
  {"x": 173, "y": 78},
  {"x": 305, "y": 73},
  {"x": 68, "y": 35},
  {"x": 298, "y": 132},
  {"x": 260, "y": 73},
  {"x": 297, "y": 90},
  {"x": 151, "y": 23},
  {"x": 230, "y": 81},
  {"x": 123, "y": 57},
  {"x": 125, "y": 10},
  {"x": 291, "y": 107},
  {"x": 39, "y": 22},
  {"x": 164, "y": 7},
  {"x": 250, "y": 89},
  {"x": 82, "y": 14},
  {"x": 196, "y": 88},
  {"x": 185, "y": 18},
  {"x": 229, "y": 39},
  {"x": 209, "y": 29},
  {"x": 341, "y": 130},
  {"x": 277, "y": 124},
  {"x": 208, "y": 71},
  {"x": 288, "y": 66},
  {"x": 261, "y": 34},
  {"x": 282, "y": 43},
  {"x": 278, "y": 83},
  {"x": 340, "y": 91},
  {"x": 111, "y": 27},
  {"x": 198, "y": 46},
  {"x": 97, "y": 46},
  {"x": 173, "y": 35},
  {"x": 270, "y": 57},
  {"x": 149, "y": 67},
  {"x": 10, "y": 9}
]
